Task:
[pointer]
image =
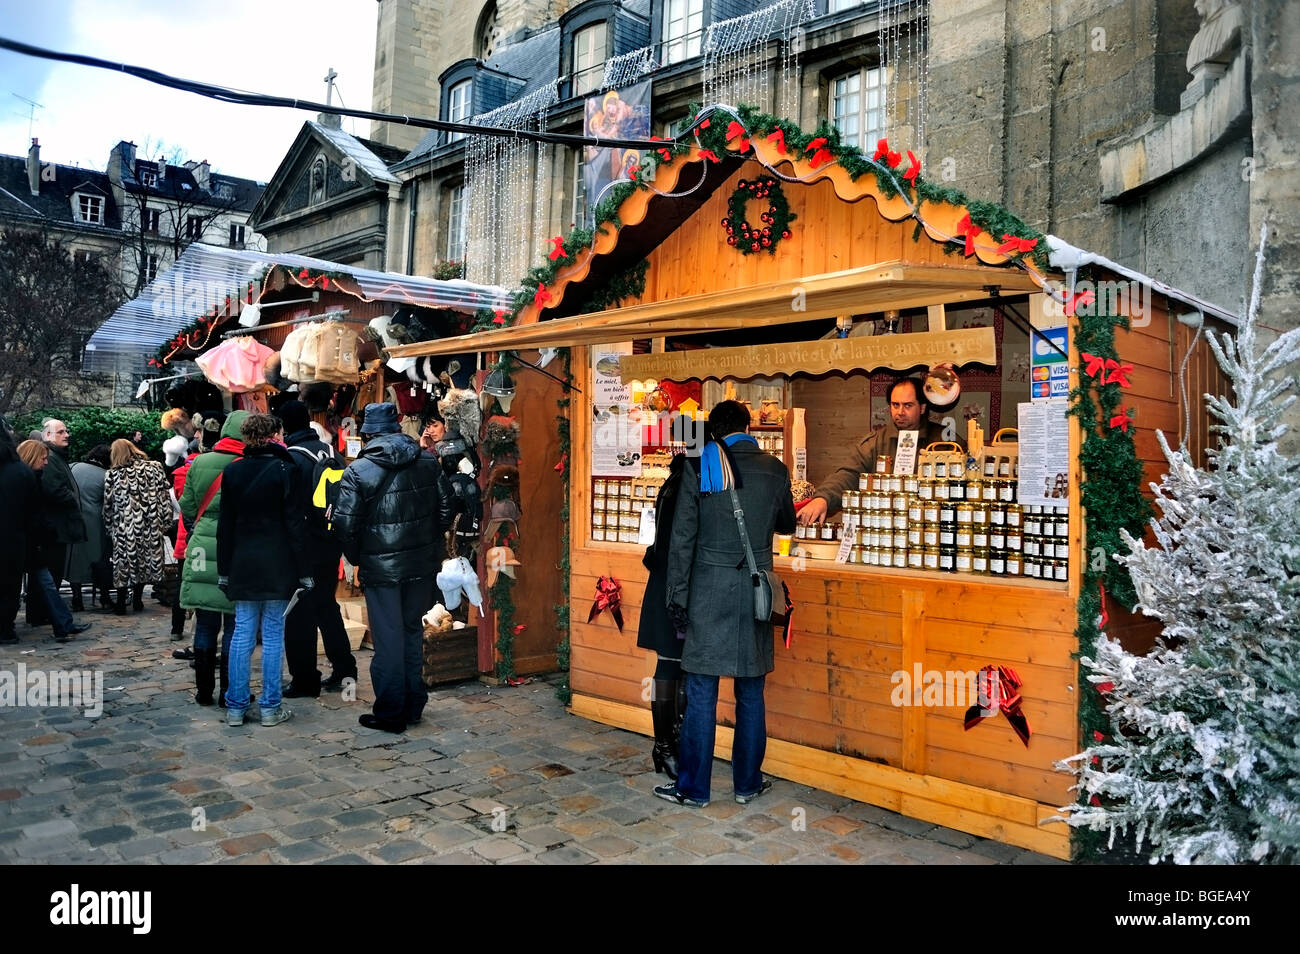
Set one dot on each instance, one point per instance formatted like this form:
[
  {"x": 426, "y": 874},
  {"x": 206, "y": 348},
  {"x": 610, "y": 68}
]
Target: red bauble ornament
[
  {"x": 753, "y": 247},
  {"x": 766, "y": 241},
  {"x": 785, "y": 234},
  {"x": 731, "y": 240},
  {"x": 743, "y": 184}
]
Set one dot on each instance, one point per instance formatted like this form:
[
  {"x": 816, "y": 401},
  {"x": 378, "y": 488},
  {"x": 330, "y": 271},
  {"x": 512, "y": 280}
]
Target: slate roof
[
  {"x": 54, "y": 204},
  {"x": 179, "y": 183},
  {"x": 372, "y": 157}
]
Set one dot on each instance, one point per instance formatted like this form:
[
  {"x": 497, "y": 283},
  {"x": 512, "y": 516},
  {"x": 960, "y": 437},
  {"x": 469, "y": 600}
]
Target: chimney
[
  {"x": 330, "y": 120},
  {"x": 202, "y": 173},
  {"x": 34, "y": 167},
  {"x": 121, "y": 158}
]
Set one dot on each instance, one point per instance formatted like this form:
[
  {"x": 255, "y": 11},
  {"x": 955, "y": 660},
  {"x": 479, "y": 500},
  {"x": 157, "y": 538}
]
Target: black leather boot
[
  {"x": 137, "y": 597},
  {"x": 77, "y": 605},
  {"x": 663, "y": 713},
  {"x": 205, "y": 675},
  {"x": 119, "y": 608}
]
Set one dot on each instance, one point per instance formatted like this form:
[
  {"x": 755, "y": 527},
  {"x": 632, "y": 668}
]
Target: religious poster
[
  {"x": 615, "y": 430},
  {"x": 616, "y": 114},
  {"x": 1044, "y": 453}
]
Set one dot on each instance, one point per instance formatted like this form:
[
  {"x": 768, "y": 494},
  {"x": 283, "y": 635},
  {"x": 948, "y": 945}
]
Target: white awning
[{"x": 205, "y": 275}]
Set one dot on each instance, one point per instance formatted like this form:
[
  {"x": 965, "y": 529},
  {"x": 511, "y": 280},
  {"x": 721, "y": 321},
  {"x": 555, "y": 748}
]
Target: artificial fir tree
[{"x": 1203, "y": 758}]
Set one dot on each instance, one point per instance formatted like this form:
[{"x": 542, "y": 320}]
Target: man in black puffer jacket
[
  {"x": 393, "y": 507},
  {"x": 318, "y": 608}
]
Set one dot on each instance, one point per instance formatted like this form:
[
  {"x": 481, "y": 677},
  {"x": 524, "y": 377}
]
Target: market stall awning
[
  {"x": 205, "y": 275},
  {"x": 852, "y": 292}
]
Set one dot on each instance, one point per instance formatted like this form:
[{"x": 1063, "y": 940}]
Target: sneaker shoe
[
  {"x": 276, "y": 716},
  {"x": 763, "y": 789},
  {"x": 669, "y": 793},
  {"x": 235, "y": 717}
]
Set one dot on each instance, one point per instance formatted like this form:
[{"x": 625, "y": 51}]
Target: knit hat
[{"x": 293, "y": 414}]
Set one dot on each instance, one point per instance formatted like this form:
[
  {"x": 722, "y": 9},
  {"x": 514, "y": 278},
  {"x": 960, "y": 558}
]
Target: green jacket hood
[{"x": 232, "y": 425}]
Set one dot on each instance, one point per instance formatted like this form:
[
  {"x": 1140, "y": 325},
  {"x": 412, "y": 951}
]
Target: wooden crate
[{"x": 450, "y": 657}]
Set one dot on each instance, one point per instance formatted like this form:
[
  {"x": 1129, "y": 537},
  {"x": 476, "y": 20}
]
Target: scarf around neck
[{"x": 717, "y": 469}]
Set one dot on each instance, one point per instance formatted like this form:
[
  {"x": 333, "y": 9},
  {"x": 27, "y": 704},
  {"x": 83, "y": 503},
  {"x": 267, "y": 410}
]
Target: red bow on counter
[
  {"x": 999, "y": 691},
  {"x": 609, "y": 596}
]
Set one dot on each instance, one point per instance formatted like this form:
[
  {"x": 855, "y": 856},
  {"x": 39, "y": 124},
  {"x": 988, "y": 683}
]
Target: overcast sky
[{"x": 278, "y": 47}]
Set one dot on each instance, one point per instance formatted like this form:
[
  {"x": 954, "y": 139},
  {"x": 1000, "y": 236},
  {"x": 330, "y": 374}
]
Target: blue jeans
[
  {"x": 60, "y": 615},
  {"x": 207, "y": 623},
  {"x": 699, "y": 730},
  {"x": 248, "y": 615}
]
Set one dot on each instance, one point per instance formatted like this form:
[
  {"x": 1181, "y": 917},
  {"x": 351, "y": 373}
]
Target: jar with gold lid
[
  {"x": 915, "y": 532},
  {"x": 925, "y": 489},
  {"x": 963, "y": 537},
  {"x": 947, "y": 511},
  {"x": 930, "y": 535},
  {"x": 962, "y": 560},
  {"x": 947, "y": 559},
  {"x": 979, "y": 537},
  {"x": 1013, "y": 563},
  {"x": 864, "y": 483},
  {"x": 965, "y": 513},
  {"x": 979, "y": 560},
  {"x": 997, "y": 563},
  {"x": 911, "y": 484},
  {"x": 930, "y": 558},
  {"x": 1013, "y": 539},
  {"x": 600, "y": 487},
  {"x": 956, "y": 488},
  {"x": 1013, "y": 514},
  {"x": 915, "y": 558}
]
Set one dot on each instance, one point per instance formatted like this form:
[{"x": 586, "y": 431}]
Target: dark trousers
[
  {"x": 11, "y": 583},
  {"x": 397, "y": 630},
  {"x": 318, "y": 609}
]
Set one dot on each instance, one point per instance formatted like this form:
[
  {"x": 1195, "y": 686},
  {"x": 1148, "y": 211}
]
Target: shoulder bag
[{"x": 767, "y": 585}]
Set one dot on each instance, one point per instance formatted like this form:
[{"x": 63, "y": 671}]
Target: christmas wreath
[{"x": 775, "y": 219}]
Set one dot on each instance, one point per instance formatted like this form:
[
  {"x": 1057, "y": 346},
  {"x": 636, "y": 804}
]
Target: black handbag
[{"x": 771, "y": 596}]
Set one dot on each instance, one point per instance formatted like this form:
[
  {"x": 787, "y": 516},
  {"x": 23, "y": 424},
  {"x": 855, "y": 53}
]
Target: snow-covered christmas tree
[{"x": 1203, "y": 759}]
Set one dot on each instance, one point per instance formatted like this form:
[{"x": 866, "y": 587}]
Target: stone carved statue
[{"x": 1214, "y": 47}]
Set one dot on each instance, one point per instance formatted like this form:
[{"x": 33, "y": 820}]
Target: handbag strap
[{"x": 739, "y": 514}]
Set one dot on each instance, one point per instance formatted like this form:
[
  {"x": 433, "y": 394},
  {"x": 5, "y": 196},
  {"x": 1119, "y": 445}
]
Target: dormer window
[
  {"x": 458, "y": 106},
  {"x": 90, "y": 209},
  {"x": 683, "y": 29},
  {"x": 588, "y": 58},
  {"x": 148, "y": 177}
]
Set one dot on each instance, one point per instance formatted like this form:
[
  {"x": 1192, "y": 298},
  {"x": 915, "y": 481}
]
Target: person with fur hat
[
  {"x": 393, "y": 507},
  {"x": 213, "y": 611},
  {"x": 460, "y": 462},
  {"x": 318, "y": 608}
]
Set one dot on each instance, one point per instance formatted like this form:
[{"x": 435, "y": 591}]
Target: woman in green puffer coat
[{"x": 199, "y": 592}]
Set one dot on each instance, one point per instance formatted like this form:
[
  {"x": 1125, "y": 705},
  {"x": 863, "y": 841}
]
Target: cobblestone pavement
[{"x": 491, "y": 776}]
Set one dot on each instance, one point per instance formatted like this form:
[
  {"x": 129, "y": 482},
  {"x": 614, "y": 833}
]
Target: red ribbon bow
[
  {"x": 820, "y": 158},
  {"x": 1075, "y": 299},
  {"x": 557, "y": 249},
  {"x": 1015, "y": 246},
  {"x": 915, "y": 168},
  {"x": 1121, "y": 420},
  {"x": 777, "y": 137},
  {"x": 499, "y": 317},
  {"x": 542, "y": 297},
  {"x": 664, "y": 154},
  {"x": 999, "y": 692},
  {"x": 882, "y": 150},
  {"x": 1117, "y": 373},
  {"x": 1093, "y": 363},
  {"x": 737, "y": 131},
  {"x": 709, "y": 154},
  {"x": 968, "y": 230},
  {"x": 564, "y": 461},
  {"x": 609, "y": 596}
]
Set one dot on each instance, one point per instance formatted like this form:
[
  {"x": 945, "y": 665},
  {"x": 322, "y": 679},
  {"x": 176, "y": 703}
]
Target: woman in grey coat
[
  {"x": 88, "y": 560},
  {"x": 711, "y": 596}
]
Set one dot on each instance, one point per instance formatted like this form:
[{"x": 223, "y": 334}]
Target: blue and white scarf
[{"x": 717, "y": 469}]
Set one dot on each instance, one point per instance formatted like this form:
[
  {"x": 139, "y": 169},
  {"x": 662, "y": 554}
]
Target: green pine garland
[
  {"x": 1111, "y": 498},
  {"x": 563, "y": 692}
]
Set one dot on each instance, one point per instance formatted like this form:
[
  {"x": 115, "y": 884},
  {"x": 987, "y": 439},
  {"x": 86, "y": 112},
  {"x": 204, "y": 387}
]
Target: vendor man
[{"x": 908, "y": 410}]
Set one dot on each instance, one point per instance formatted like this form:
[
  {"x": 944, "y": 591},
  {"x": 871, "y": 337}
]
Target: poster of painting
[{"x": 616, "y": 114}]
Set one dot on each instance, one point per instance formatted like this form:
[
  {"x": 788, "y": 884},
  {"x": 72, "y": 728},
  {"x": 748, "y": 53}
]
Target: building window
[
  {"x": 148, "y": 177},
  {"x": 149, "y": 221},
  {"x": 457, "y": 224},
  {"x": 857, "y": 107},
  {"x": 150, "y": 264},
  {"x": 83, "y": 257},
  {"x": 194, "y": 227},
  {"x": 236, "y": 235},
  {"x": 835, "y": 6},
  {"x": 579, "y": 218},
  {"x": 90, "y": 208},
  {"x": 683, "y": 27},
  {"x": 458, "y": 105},
  {"x": 588, "y": 59}
]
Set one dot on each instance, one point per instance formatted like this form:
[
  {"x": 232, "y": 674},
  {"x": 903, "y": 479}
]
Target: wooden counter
[{"x": 831, "y": 722}]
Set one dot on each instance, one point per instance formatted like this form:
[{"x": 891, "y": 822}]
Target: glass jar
[
  {"x": 600, "y": 487},
  {"x": 979, "y": 537},
  {"x": 1033, "y": 568},
  {"x": 884, "y": 463},
  {"x": 990, "y": 467},
  {"x": 827, "y": 532},
  {"x": 1013, "y": 514},
  {"x": 911, "y": 484},
  {"x": 899, "y": 559},
  {"x": 1061, "y": 570},
  {"x": 997, "y": 514},
  {"x": 947, "y": 512},
  {"x": 844, "y": 501},
  {"x": 947, "y": 534},
  {"x": 915, "y": 510},
  {"x": 1013, "y": 540},
  {"x": 940, "y": 489},
  {"x": 947, "y": 559},
  {"x": 1033, "y": 522},
  {"x": 925, "y": 489},
  {"x": 997, "y": 538},
  {"x": 962, "y": 560},
  {"x": 927, "y": 469},
  {"x": 930, "y": 535},
  {"x": 597, "y": 533},
  {"x": 1032, "y": 545},
  {"x": 965, "y": 514},
  {"x": 997, "y": 563},
  {"x": 899, "y": 522},
  {"x": 930, "y": 511},
  {"x": 864, "y": 482},
  {"x": 930, "y": 558},
  {"x": 956, "y": 488},
  {"x": 915, "y": 536},
  {"x": 979, "y": 560},
  {"x": 980, "y": 515},
  {"x": 915, "y": 558},
  {"x": 1013, "y": 563},
  {"x": 963, "y": 537},
  {"x": 941, "y": 469},
  {"x": 1007, "y": 491},
  {"x": 898, "y": 502}
]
